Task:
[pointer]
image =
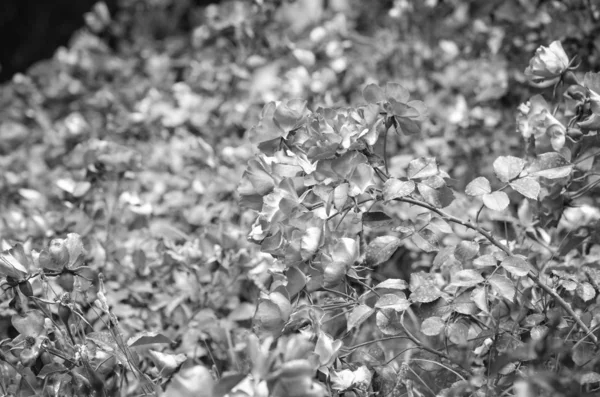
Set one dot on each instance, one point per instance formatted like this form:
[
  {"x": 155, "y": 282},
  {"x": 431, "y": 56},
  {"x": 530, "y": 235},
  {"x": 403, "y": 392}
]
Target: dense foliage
[{"x": 434, "y": 236}]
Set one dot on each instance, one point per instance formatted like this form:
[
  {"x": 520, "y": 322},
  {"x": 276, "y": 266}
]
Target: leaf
[
  {"x": 376, "y": 219},
  {"x": 484, "y": 261},
  {"x": 165, "y": 362},
  {"x": 466, "y": 278},
  {"x": 425, "y": 293},
  {"x": 586, "y": 291},
  {"x": 426, "y": 240},
  {"x": 515, "y": 265},
  {"x": 527, "y": 186},
  {"x": 497, "y": 201},
  {"x": 340, "y": 196},
  {"x": 422, "y": 167},
  {"x": 393, "y": 302},
  {"x": 466, "y": 250},
  {"x": 508, "y": 168},
  {"x": 432, "y": 326},
  {"x": 192, "y": 381},
  {"x": 458, "y": 333},
  {"x": 30, "y": 323},
  {"x": 51, "y": 369},
  {"x": 310, "y": 242},
  {"x": 373, "y": 94},
  {"x": 361, "y": 179},
  {"x": 589, "y": 377},
  {"x": 388, "y": 322},
  {"x": 147, "y": 338},
  {"x": 392, "y": 283},
  {"x": 381, "y": 249},
  {"x": 334, "y": 273},
  {"x": 479, "y": 297},
  {"x": 226, "y": 383},
  {"x": 359, "y": 315},
  {"x": 395, "y": 188},
  {"x": 439, "y": 198},
  {"x": 296, "y": 281},
  {"x": 326, "y": 348},
  {"x": 11, "y": 266},
  {"x": 503, "y": 286},
  {"x": 550, "y": 165},
  {"x": 268, "y": 319},
  {"x": 478, "y": 187}
]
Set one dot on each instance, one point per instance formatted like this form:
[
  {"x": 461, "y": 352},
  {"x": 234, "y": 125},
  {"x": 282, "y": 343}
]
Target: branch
[{"x": 535, "y": 278}]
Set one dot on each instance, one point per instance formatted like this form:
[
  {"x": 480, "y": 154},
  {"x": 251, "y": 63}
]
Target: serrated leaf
[
  {"x": 466, "y": 278},
  {"x": 392, "y": 283},
  {"x": 395, "y": 188},
  {"x": 393, "y": 302},
  {"x": 508, "y": 168},
  {"x": 147, "y": 338},
  {"x": 359, "y": 315},
  {"x": 478, "y": 187},
  {"x": 426, "y": 240},
  {"x": 423, "y": 167},
  {"x": 586, "y": 291},
  {"x": 515, "y": 265},
  {"x": 425, "y": 293},
  {"x": 527, "y": 186},
  {"x": 503, "y": 286},
  {"x": 381, "y": 249},
  {"x": 497, "y": 201},
  {"x": 551, "y": 166},
  {"x": 432, "y": 326}
]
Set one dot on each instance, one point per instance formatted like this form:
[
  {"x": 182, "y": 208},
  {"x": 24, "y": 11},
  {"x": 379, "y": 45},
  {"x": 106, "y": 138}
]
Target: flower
[
  {"x": 547, "y": 65},
  {"x": 534, "y": 118}
]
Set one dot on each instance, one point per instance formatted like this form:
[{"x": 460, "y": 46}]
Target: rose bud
[{"x": 547, "y": 65}]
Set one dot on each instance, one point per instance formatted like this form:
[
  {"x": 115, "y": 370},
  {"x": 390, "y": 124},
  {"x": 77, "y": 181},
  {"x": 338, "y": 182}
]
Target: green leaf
[
  {"x": 425, "y": 293},
  {"x": 478, "y": 187},
  {"x": 373, "y": 94},
  {"x": 479, "y": 297},
  {"x": 528, "y": 187},
  {"x": 340, "y": 196},
  {"x": 484, "y": 261},
  {"x": 466, "y": 278},
  {"x": 503, "y": 286},
  {"x": 393, "y": 302},
  {"x": 439, "y": 198},
  {"x": 515, "y": 265},
  {"x": 508, "y": 168},
  {"x": 551, "y": 166},
  {"x": 423, "y": 167},
  {"x": 310, "y": 242},
  {"x": 458, "y": 333},
  {"x": 334, "y": 274},
  {"x": 376, "y": 219},
  {"x": 432, "y": 326},
  {"x": 388, "y": 322},
  {"x": 426, "y": 240},
  {"x": 381, "y": 249},
  {"x": 361, "y": 179},
  {"x": 268, "y": 319},
  {"x": 395, "y": 188},
  {"x": 359, "y": 315},
  {"x": 497, "y": 201},
  {"x": 147, "y": 338},
  {"x": 586, "y": 291},
  {"x": 466, "y": 250},
  {"x": 30, "y": 323},
  {"x": 393, "y": 284}
]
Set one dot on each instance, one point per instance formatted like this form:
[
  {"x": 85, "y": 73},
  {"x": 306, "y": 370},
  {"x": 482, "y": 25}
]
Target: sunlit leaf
[
  {"x": 381, "y": 249},
  {"x": 422, "y": 167},
  {"x": 503, "y": 286},
  {"x": 478, "y": 187},
  {"x": 508, "y": 168},
  {"x": 395, "y": 188},
  {"x": 359, "y": 315},
  {"x": 516, "y": 265},
  {"x": 393, "y": 302},
  {"x": 466, "y": 278},
  {"x": 497, "y": 201},
  {"x": 550, "y": 165},
  {"x": 528, "y": 187}
]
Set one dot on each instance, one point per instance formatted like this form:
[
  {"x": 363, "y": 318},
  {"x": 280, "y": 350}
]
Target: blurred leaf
[
  {"x": 359, "y": 315},
  {"x": 466, "y": 278},
  {"x": 147, "y": 338},
  {"x": 516, "y": 265},
  {"x": 193, "y": 381},
  {"x": 432, "y": 326},
  {"x": 426, "y": 240}
]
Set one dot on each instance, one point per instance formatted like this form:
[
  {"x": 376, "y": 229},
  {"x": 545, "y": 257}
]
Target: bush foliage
[{"x": 434, "y": 236}]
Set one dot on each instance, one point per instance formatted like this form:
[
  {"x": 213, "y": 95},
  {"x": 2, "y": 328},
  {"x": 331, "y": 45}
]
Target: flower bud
[{"x": 547, "y": 65}]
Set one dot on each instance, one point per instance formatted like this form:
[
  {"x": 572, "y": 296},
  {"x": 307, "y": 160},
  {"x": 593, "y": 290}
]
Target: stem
[{"x": 535, "y": 278}]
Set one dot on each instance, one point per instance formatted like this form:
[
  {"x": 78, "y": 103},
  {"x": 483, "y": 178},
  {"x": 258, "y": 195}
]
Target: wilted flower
[
  {"x": 534, "y": 118},
  {"x": 547, "y": 65}
]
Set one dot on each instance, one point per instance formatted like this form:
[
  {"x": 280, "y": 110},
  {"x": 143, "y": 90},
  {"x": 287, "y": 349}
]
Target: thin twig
[{"x": 535, "y": 278}]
